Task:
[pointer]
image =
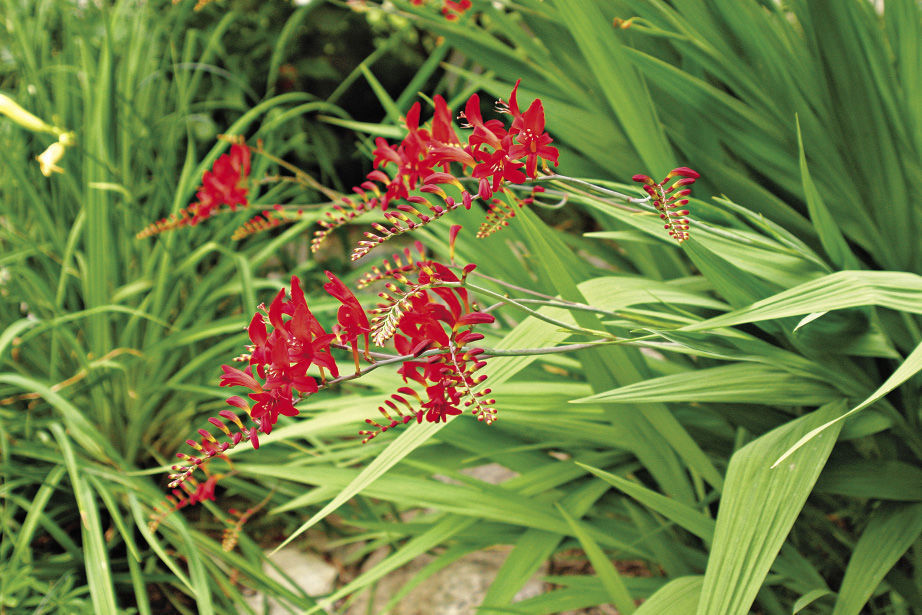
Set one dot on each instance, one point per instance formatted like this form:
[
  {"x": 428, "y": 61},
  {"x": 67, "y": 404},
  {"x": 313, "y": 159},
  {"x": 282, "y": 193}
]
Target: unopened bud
[{"x": 12, "y": 110}]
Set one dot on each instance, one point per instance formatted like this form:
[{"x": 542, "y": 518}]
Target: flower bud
[{"x": 12, "y": 110}]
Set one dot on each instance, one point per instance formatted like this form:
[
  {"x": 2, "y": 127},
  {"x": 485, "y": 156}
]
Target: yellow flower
[{"x": 48, "y": 160}]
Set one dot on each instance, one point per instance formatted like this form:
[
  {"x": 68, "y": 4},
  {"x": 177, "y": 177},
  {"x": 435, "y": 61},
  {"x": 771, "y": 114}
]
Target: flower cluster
[
  {"x": 492, "y": 155},
  {"x": 188, "y": 493},
  {"x": 432, "y": 312},
  {"x": 451, "y": 9},
  {"x": 276, "y": 371},
  {"x": 225, "y": 185},
  {"x": 667, "y": 200},
  {"x": 425, "y": 309}
]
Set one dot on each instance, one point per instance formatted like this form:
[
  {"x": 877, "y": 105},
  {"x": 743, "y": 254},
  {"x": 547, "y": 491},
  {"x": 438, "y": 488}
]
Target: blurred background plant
[
  {"x": 109, "y": 346},
  {"x": 794, "y": 301}
]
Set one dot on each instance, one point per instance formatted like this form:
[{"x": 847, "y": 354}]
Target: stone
[{"x": 309, "y": 571}]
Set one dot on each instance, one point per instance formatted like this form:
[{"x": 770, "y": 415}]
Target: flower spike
[
  {"x": 224, "y": 188},
  {"x": 667, "y": 200}
]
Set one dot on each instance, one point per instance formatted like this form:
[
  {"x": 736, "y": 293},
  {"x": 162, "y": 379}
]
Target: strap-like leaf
[
  {"x": 889, "y": 533},
  {"x": 758, "y": 508}
]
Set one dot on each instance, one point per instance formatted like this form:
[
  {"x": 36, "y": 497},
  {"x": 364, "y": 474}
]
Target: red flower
[
  {"x": 351, "y": 316},
  {"x": 498, "y": 165},
  {"x": 225, "y": 184},
  {"x": 281, "y": 358},
  {"x": 442, "y": 129},
  {"x": 269, "y": 404},
  {"x": 491, "y": 154},
  {"x": 533, "y": 142},
  {"x": 233, "y": 377},
  {"x": 204, "y": 491},
  {"x": 489, "y": 133},
  {"x": 432, "y": 314},
  {"x": 452, "y": 9}
]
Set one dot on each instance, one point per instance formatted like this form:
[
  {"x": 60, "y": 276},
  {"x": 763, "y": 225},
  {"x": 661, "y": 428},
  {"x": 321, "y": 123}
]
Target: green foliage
[
  {"x": 752, "y": 440},
  {"x": 773, "y": 380},
  {"x": 109, "y": 345}
]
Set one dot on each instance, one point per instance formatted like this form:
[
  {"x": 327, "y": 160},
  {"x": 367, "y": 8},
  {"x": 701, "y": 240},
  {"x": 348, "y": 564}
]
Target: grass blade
[
  {"x": 678, "y": 596},
  {"x": 681, "y": 514},
  {"x": 608, "y": 575},
  {"x": 96, "y": 556},
  {"x": 889, "y": 533},
  {"x": 909, "y": 368},
  {"x": 826, "y": 227},
  {"x": 758, "y": 508}
]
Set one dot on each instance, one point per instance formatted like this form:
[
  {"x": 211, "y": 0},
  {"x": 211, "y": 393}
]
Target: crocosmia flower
[
  {"x": 224, "y": 185},
  {"x": 352, "y": 320},
  {"x": 431, "y": 313},
  {"x": 668, "y": 199},
  {"x": 494, "y": 153}
]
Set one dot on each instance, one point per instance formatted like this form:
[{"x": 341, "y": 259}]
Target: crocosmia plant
[{"x": 426, "y": 311}]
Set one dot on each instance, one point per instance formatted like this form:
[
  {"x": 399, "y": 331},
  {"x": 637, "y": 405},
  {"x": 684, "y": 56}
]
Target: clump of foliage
[{"x": 731, "y": 400}]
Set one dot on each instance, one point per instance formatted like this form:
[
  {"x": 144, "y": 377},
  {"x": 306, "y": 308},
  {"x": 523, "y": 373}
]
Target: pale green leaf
[
  {"x": 607, "y": 573},
  {"x": 738, "y": 382},
  {"x": 678, "y": 596},
  {"x": 758, "y": 509},
  {"x": 891, "y": 530},
  {"x": 843, "y": 289},
  {"x": 909, "y": 368}
]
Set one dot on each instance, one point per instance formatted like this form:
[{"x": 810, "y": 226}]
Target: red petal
[
  {"x": 238, "y": 402},
  {"x": 475, "y": 318},
  {"x": 684, "y": 172},
  {"x": 257, "y": 330}
]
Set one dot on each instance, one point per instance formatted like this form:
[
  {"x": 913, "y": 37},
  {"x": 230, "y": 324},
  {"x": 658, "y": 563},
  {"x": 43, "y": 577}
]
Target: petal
[
  {"x": 238, "y": 402},
  {"x": 257, "y": 330},
  {"x": 235, "y": 377},
  {"x": 475, "y": 318},
  {"x": 513, "y": 104}
]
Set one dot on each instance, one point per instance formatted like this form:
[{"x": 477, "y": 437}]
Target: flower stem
[{"x": 535, "y": 313}]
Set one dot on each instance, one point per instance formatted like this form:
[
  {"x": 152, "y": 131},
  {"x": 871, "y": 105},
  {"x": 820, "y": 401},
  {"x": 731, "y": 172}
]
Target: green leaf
[
  {"x": 809, "y": 598},
  {"x": 876, "y": 479},
  {"x": 608, "y": 575},
  {"x": 758, "y": 509},
  {"x": 735, "y": 285},
  {"x": 624, "y": 90},
  {"x": 534, "y": 547},
  {"x": 891, "y": 530},
  {"x": 738, "y": 382},
  {"x": 827, "y": 229},
  {"x": 844, "y": 289},
  {"x": 678, "y": 596},
  {"x": 393, "y": 113},
  {"x": 909, "y": 368},
  {"x": 403, "y": 445},
  {"x": 10, "y": 334},
  {"x": 26, "y": 531},
  {"x": 79, "y": 428},
  {"x": 661, "y": 441},
  {"x": 438, "y": 534},
  {"x": 679, "y": 513},
  {"x": 99, "y": 576}
]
